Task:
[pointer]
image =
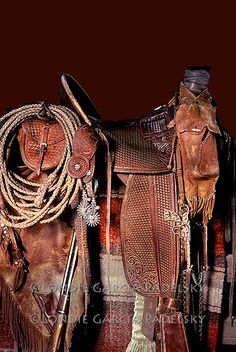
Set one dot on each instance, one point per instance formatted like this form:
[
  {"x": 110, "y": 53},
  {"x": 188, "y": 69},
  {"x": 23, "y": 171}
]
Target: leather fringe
[
  {"x": 201, "y": 205},
  {"x": 141, "y": 345},
  {"x": 139, "y": 342},
  {"x": 25, "y": 333}
]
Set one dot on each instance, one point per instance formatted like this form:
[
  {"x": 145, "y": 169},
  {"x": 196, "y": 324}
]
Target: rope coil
[{"x": 33, "y": 202}]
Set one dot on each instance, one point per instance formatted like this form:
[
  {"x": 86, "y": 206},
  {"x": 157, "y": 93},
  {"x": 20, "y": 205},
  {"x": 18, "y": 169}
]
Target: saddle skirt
[{"x": 149, "y": 248}]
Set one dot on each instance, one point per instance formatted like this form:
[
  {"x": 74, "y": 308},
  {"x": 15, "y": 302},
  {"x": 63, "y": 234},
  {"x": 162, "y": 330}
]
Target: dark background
[{"x": 129, "y": 56}]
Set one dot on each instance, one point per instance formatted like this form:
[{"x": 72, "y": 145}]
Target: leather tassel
[
  {"x": 139, "y": 342},
  {"x": 43, "y": 149},
  {"x": 4, "y": 245},
  {"x": 5, "y": 241},
  {"x": 201, "y": 205},
  {"x": 19, "y": 275},
  {"x": 141, "y": 345}
]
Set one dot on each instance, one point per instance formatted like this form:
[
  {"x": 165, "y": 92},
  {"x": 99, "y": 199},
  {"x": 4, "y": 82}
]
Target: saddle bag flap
[
  {"x": 196, "y": 129},
  {"x": 42, "y": 144},
  {"x": 82, "y": 162}
]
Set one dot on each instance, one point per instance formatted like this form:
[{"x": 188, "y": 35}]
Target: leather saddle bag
[{"x": 42, "y": 144}]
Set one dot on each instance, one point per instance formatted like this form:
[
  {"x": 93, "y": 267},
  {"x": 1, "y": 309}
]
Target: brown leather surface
[
  {"x": 141, "y": 152},
  {"x": 33, "y": 135},
  {"x": 149, "y": 248},
  {"x": 142, "y": 146},
  {"x": 30, "y": 311},
  {"x": 82, "y": 161},
  {"x": 196, "y": 128},
  {"x": 173, "y": 336},
  {"x": 45, "y": 248}
]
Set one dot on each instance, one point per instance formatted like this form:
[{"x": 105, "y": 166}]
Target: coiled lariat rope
[{"x": 33, "y": 202}]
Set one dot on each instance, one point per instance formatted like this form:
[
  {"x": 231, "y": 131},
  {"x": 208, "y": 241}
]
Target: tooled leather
[
  {"x": 143, "y": 145},
  {"x": 30, "y": 137},
  {"x": 82, "y": 161},
  {"x": 149, "y": 248},
  {"x": 85, "y": 141}
]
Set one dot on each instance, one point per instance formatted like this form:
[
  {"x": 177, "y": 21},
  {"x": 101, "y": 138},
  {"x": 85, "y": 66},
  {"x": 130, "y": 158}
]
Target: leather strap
[
  {"x": 232, "y": 302},
  {"x": 173, "y": 336},
  {"x": 43, "y": 148},
  {"x": 82, "y": 243},
  {"x": 108, "y": 212},
  {"x": 149, "y": 317}
]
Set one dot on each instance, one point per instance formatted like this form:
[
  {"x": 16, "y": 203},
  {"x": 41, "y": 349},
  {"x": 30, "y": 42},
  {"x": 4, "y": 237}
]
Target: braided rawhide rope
[{"x": 38, "y": 205}]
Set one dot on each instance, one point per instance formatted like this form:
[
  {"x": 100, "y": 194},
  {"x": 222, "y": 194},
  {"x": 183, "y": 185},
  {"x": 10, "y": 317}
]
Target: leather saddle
[
  {"x": 140, "y": 155},
  {"x": 166, "y": 179},
  {"x": 139, "y": 146},
  {"x": 141, "y": 151}
]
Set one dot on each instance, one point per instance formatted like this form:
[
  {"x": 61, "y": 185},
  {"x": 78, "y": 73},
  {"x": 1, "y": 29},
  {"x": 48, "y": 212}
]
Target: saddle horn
[
  {"x": 74, "y": 96},
  {"x": 196, "y": 78}
]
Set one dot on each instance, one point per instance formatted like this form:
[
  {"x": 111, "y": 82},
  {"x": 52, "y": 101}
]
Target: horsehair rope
[{"x": 33, "y": 202}]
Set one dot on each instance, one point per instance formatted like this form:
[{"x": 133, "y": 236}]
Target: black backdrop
[{"x": 129, "y": 56}]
